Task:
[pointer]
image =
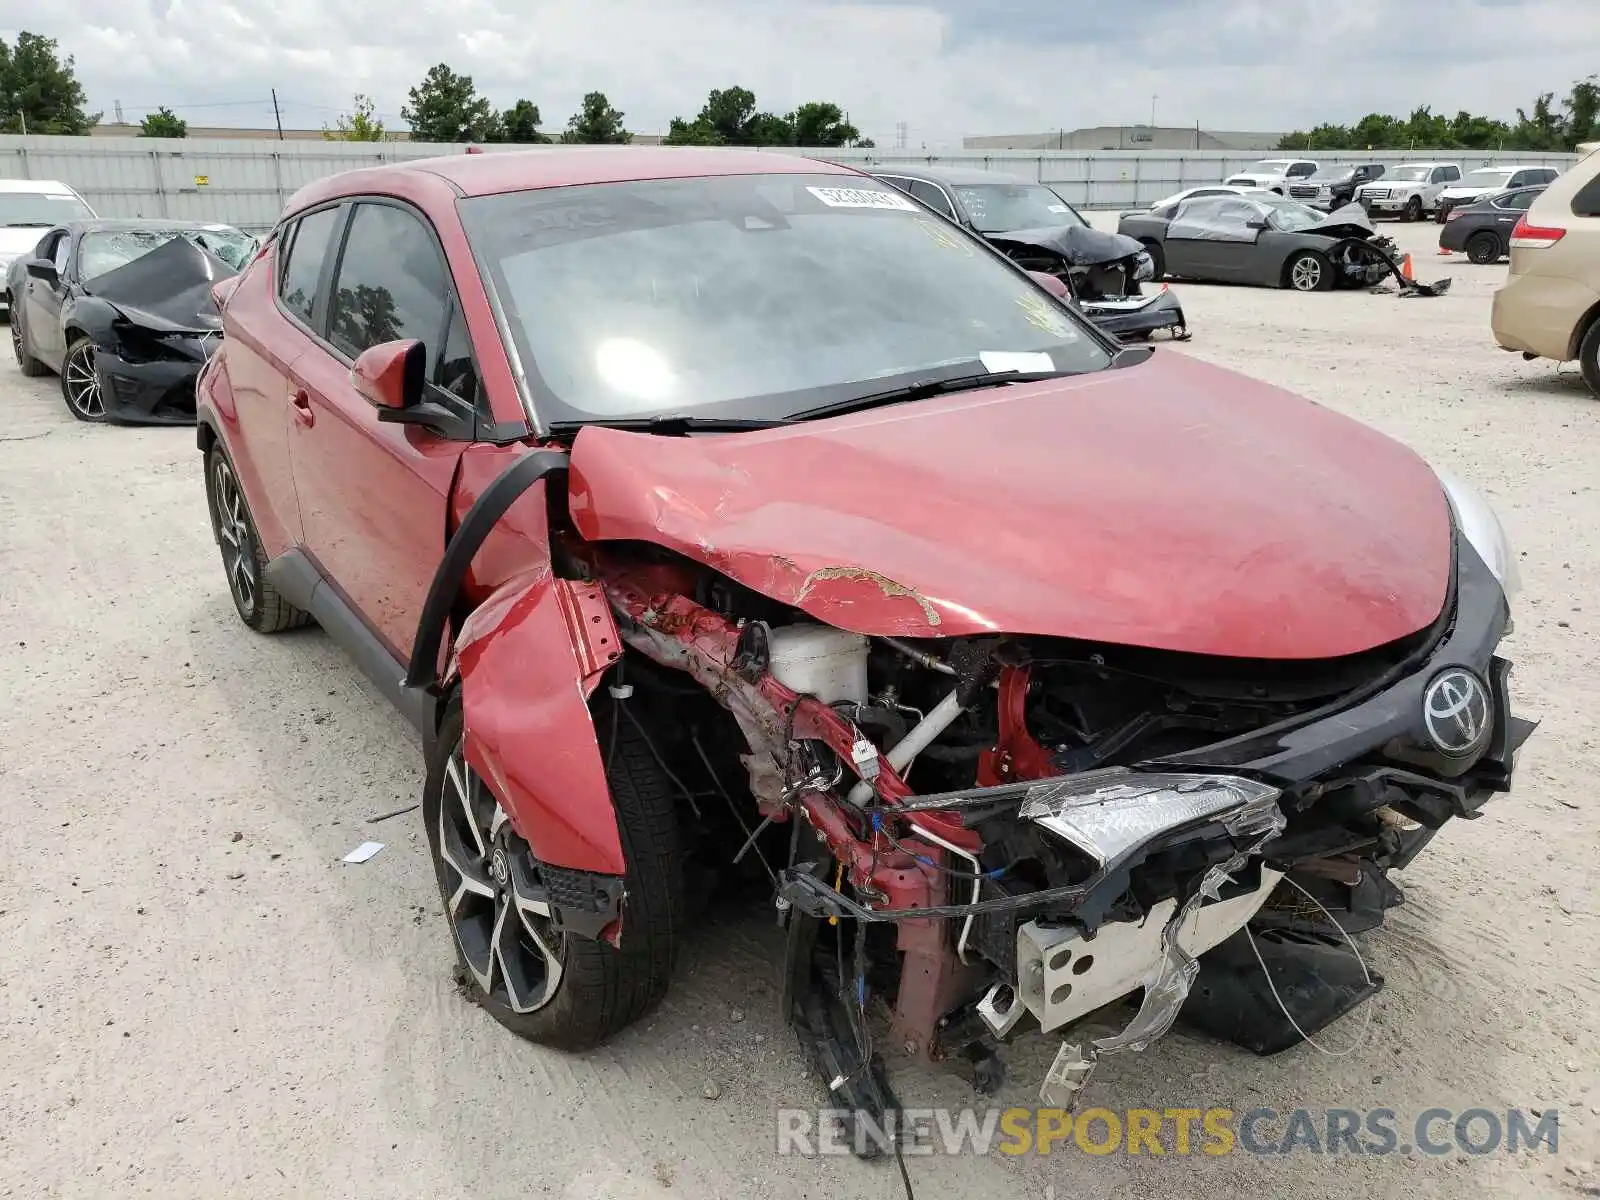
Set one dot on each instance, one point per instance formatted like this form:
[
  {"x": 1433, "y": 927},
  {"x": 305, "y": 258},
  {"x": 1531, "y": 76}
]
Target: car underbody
[{"x": 969, "y": 837}]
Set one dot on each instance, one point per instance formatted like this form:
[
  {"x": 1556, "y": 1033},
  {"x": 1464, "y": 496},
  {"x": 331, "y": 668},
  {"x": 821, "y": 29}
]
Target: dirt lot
[{"x": 199, "y": 1000}]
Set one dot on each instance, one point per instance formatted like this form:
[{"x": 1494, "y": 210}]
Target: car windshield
[
  {"x": 1486, "y": 177},
  {"x": 752, "y": 296},
  {"x": 1331, "y": 175},
  {"x": 998, "y": 207},
  {"x": 40, "y": 209},
  {"x": 109, "y": 249},
  {"x": 1410, "y": 174},
  {"x": 1270, "y": 166},
  {"x": 1295, "y": 218}
]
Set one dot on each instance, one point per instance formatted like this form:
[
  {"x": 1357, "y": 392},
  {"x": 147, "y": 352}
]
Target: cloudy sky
[{"x": 944, "y": 67}]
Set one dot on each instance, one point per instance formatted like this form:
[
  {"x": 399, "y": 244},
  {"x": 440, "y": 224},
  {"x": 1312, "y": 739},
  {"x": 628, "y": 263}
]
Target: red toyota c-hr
[{"x": 730, "y": 525}]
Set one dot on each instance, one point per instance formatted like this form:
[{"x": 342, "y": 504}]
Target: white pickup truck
[
  {"x": 1273, "y": 174},
  {"x": 1408, "y": 191}
]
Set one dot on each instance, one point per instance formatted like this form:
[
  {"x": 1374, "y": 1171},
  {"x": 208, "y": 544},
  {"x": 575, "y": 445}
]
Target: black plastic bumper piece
[
  {"x": 146, "y": 393},
  {"x": 1318, "y": 979}
]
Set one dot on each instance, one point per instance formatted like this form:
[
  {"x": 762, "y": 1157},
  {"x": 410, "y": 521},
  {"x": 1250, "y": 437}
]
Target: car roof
[
  {"x": 493, "y": 173},
  {"x": 117, "y": 224},
  {"x": 49, "y": 187},
  {"x": 954, "y": 176},
  {"x": 1435, "y": 163}
]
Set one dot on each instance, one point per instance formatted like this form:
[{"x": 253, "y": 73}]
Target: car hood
[
  {"x": 1173, "y": 505},
  {"x": 19, "y": 240},
  {"x": 1348, "y": 220},
  {"x": 1466, "y": 193},
  {"x": 1077, "y": 245}
]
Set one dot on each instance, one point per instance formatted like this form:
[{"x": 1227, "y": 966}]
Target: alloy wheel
[
  {"x": 16, "y": 335},
  {"x": 80, "y": 382},
  {"x": 1306, "y": 274},
  {"x": 233, "y": 533},
  {"x": 500, "y": 914}
]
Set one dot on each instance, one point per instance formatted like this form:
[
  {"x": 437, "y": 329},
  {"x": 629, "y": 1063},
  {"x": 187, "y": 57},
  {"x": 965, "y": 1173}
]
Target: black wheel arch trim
[{"x": 422, "y": 677}]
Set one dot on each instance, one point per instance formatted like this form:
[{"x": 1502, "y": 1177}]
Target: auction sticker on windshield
[{"x": 840, "y": 197}]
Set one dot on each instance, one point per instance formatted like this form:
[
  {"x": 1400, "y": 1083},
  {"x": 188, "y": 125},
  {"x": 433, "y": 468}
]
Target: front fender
[
  {"x": 92, "y": 316},
  {"x": 527, "y": 660}
]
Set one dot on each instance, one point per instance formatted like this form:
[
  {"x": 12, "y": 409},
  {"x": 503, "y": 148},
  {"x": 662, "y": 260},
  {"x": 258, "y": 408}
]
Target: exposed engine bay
[{"x": 969, "y": 837}]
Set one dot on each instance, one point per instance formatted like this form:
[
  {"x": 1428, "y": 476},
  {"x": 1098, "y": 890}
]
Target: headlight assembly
[{"x": 1478, "y": 524}]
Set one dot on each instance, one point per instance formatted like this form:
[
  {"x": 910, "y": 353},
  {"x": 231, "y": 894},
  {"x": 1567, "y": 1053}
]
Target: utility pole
[
  {"x": 1153, "y": 99},
  {"x": 277, "y": 118},
  {"x": 116, "y": 109}
]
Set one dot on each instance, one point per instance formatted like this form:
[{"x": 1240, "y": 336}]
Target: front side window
[
  {"x": 60, "y": 253},
  {"x": 308, "y": 250},
  {"x": 391, "y": 284},
  {"x": 1003, "y": 207},
  {"x": 40, "y": 210},
  {"x": 756, "y": 296}
]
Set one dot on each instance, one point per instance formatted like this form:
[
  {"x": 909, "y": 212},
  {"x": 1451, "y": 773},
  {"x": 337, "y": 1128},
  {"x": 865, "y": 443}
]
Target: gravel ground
[{"x": 199, "y": 1000}]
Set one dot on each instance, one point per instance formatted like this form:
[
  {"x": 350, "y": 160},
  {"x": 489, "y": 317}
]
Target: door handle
[{"x": 300, "y": 405}]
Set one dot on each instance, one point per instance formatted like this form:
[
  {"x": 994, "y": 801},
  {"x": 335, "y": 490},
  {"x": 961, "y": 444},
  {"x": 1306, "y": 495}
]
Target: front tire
[
  {"x": 29, "y": 365},
  {"x": 1483, "y": 248},
  {"x": 259, "y": 605},
  {"x": 1158, "y": 260},
  {"x": 80, "y": 383},
  {"x": 1308, "y": 271},
  {"x": 513, "y": 959},
  {"x": 1413, "y": 209}
]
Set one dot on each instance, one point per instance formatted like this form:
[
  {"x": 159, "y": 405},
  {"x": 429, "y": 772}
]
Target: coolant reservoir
[{"x": 820, "y": 661}]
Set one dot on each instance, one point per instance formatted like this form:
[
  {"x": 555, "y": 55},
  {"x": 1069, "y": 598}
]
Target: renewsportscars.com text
[{"x": 1211, "y": 1132}]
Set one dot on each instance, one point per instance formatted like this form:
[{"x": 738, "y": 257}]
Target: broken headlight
[
  {"x": 1109, "y": 813},
  {"x": 1477, "y": 522}
]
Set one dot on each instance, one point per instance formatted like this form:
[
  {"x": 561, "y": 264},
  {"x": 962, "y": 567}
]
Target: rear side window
[
  {"x": 1587, "y": 202},
  {"x": 308, "y": 248},
  {"x": 931, "y": 196},
  {"x": 1516, "y": 201},
  {"x": 391, "y": 284}
]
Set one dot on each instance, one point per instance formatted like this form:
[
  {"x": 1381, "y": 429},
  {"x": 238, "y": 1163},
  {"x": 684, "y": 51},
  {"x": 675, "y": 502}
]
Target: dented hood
[
  {"x": 1348, "y": 220},
  {"x": 1078, "y": 245},
  {"x": 1173, "y": 505},
  {"x": 167, "y": 289}
]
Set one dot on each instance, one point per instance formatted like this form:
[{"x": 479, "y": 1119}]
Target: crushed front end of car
[
  {"x": 1104, "y": 272},
  {"x": 1363, "y": 257},
  {"x": 975, "y": 824},
  {"x": 154, "y": 326}
]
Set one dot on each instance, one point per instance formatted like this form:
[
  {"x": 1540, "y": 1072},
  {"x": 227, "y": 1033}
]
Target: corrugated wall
[{"x": 245, "y": 182}]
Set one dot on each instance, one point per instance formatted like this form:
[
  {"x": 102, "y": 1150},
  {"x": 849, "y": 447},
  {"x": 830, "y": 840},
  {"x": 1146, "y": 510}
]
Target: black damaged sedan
[{"x": 122, "y": 311}]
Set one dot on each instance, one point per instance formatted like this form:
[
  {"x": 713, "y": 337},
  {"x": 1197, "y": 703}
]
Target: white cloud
[{"x": 945, "y": 67}]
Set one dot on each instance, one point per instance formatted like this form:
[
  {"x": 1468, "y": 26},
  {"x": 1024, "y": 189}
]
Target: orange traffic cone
[{"x": 1405, "y": 268}]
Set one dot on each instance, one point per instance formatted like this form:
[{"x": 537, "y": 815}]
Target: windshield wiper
[
  {"x": 26, "y": 225},
  {"x": 922, "y": 389},
  {"x": 674, "y": 424}
]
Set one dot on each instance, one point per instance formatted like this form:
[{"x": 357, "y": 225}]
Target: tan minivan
[{"x": 1550, "y": 304}]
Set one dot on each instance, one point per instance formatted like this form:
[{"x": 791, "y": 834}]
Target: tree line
[
  {"x": 1546, "y": 128},
  {"x": 40, "y": 93}
]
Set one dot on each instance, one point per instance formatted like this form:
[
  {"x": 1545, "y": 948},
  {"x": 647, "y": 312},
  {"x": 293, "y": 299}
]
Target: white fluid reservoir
[{"x": 820, "y": 661}]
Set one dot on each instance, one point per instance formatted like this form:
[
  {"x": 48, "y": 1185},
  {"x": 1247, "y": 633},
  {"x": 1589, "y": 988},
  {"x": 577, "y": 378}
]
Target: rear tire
[
  {"x": 1589, "y": 356},
  {"x": 259, "y": 605},
  {"x": 29, "y": 365},
  {"x": 597, "y": 988},
  {"x": 1483, "y": 248}
]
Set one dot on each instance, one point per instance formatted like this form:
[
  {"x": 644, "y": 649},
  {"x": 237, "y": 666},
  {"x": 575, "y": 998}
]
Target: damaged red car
[{"x": 733, "y": 532}]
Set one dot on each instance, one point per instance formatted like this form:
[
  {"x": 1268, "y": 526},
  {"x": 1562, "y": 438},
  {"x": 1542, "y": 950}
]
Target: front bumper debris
[
  {"x": 154, "y": 391},
  {"x": 1140, "y": 316}
]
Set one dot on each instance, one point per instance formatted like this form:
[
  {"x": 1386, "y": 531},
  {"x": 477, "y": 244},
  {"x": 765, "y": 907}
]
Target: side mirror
[
  {"x": 390, "y": 376},
  {"x": 1052, "y": 284},
  {"x": 42, "y": 268},
  {"x": 1258, "y": 223}
]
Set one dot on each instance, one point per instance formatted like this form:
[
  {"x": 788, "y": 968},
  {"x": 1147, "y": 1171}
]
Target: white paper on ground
[{"x": 362, "y": 852}]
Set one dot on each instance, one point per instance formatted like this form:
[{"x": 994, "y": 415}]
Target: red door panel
[{"x": 373, "y": 497}]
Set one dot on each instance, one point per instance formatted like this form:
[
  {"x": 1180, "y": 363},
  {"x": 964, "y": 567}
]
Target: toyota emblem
[{"x": 1456, "y": 713}]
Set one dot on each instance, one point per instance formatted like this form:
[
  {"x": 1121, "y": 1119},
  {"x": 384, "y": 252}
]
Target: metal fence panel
[{"x": 247, "y": 181}]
